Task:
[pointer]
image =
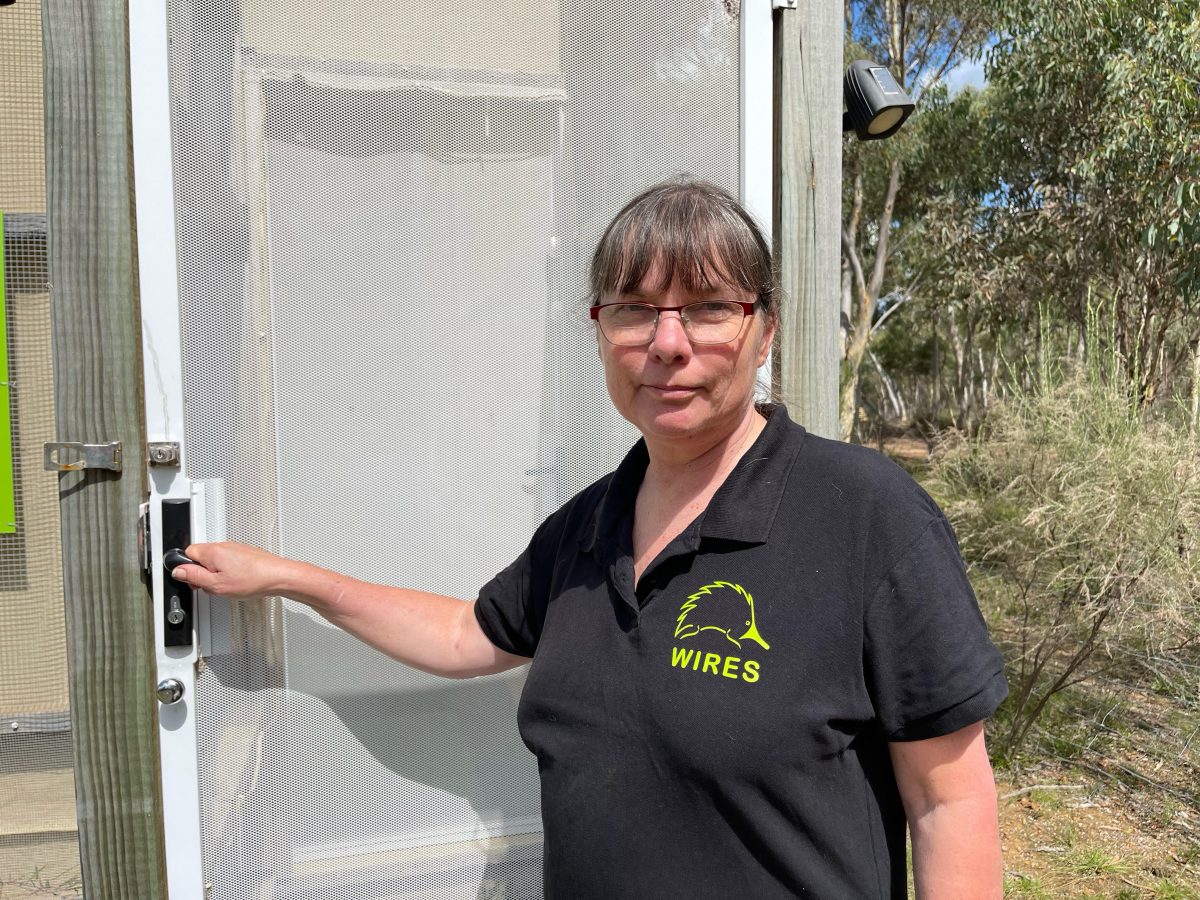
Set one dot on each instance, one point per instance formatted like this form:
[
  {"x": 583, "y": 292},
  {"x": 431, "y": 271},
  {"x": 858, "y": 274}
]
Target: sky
[{"x": 968, "y": 73}]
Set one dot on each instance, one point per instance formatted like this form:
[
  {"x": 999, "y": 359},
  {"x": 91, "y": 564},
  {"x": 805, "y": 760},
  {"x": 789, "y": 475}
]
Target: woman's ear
[{"x": 771, "y": 320}]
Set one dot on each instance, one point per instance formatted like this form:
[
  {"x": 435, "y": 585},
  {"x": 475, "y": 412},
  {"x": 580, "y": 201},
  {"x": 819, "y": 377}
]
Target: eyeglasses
[{"x": 704, "y": 322}]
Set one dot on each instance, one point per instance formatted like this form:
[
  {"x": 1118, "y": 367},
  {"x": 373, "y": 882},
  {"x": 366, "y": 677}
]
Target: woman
[{"x": 755, "y": 654}]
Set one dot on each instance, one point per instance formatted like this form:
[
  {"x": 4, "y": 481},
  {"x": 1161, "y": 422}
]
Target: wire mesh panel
[
  {"x": 385, "y": 213},
  {"x": 39, "y": 847}
]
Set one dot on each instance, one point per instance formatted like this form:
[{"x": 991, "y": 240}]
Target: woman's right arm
[{"x": 427, "y": 631}]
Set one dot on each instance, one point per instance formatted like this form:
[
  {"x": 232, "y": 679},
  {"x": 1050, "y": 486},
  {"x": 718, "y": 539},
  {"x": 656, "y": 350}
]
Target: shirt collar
[{"x": 744, "y": 506}]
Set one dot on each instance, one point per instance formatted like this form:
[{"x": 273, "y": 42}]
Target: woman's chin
[{"x": 677, "y": 422}]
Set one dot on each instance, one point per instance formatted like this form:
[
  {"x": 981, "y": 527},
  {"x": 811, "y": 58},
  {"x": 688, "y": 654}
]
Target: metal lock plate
[{"x": 163, "y": 453}]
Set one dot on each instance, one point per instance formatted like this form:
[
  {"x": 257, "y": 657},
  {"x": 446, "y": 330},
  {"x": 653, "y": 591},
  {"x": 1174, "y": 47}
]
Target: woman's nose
[{"x": 670, "y": 340}]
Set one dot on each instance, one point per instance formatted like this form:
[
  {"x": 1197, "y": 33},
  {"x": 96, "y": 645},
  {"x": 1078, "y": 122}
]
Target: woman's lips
[{"x": 669, "y": 391}]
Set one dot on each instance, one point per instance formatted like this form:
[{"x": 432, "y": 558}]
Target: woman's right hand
[{"x": 238, "y": 571}]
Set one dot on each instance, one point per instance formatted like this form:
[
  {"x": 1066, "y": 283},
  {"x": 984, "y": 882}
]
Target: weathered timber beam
[
  {"x": 98, "y": 391},
  {"x": 808, "y": 94}
]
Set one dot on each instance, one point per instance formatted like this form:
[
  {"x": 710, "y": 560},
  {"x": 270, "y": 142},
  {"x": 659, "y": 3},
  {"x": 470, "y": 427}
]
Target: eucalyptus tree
[
  {"x": 1071, "y": 182},
  {"x": 919, "y": 42},
  {"x": 1097, "y": 117}
]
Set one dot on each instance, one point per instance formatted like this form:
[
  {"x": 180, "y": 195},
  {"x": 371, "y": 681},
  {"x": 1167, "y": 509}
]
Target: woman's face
[{"x": 675, "y": 390}]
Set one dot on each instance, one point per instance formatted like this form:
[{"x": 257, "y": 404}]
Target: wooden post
[
  {"x": 98, "y": 392},
  {"x": 808, "y": 42}
]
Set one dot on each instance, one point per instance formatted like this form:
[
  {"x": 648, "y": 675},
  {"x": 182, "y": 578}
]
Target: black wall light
[{"x": 876, "y": 106}]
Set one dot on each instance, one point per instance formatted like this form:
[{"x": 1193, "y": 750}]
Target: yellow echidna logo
[{"x": 723, "y": 607}]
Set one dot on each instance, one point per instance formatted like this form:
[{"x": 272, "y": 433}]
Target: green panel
[{"x": 8, "y": 507}]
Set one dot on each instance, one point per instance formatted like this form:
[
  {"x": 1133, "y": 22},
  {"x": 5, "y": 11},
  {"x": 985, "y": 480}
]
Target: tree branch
[{"x": 887, "y": 312}]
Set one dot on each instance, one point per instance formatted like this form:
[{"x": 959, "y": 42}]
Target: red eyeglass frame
[{"x": 594, "y": 311}]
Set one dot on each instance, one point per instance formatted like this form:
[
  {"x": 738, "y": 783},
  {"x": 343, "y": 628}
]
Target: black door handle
[
  {"x": 174, "y": 558},
  {"x": 177, "y": 597}
]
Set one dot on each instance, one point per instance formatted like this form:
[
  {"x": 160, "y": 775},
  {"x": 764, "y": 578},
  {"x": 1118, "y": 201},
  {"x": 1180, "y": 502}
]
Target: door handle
[
  {"x": 177, "y": 612},
  {"x": 174, "y": 558}
]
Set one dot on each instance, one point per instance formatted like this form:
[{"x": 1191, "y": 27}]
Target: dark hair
[{"x": 695, "y": 233}]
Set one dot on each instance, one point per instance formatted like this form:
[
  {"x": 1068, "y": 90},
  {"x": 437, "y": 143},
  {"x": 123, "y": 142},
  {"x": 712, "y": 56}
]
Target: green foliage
[
  {"x": 1082, "y": 514},
  {"x": 905, "y": 350},
  {"x": 1072, "y": 177},
  {"x": 1115, "y": 86},
  {"x": 1094, "y": 114}
]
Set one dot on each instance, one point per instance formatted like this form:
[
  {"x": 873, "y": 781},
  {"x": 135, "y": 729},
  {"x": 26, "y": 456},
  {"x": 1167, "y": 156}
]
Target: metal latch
[
  {"x": 68, "y": 456},
  {"x": 143, "y": 539}
]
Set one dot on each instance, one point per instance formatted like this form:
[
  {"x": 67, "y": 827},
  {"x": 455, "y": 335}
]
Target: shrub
[{"x": 1079, "y": 516}]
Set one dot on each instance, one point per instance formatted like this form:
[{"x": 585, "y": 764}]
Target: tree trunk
[
  {"x": 867, "y": 296},
  {"x": 936, "y": 365},
  {"x": 1195, "y": 390},
  {"x": 894, "y": 398}
]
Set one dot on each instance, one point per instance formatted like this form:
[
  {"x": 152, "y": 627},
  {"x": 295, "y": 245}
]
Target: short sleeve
[
  {"x": 930, "y": 665},
  {"x": 505, "y": 608}
]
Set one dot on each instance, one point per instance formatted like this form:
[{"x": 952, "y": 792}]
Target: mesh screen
[
  {"x": 385, "y": 213},
  {"x": 39, "y": 847}
]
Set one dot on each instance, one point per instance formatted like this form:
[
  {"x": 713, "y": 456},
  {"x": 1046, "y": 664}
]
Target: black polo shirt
[{"x": 721, "y": 728}]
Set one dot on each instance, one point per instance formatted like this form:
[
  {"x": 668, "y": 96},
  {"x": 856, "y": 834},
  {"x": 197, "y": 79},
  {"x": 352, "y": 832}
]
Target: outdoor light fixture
[{"x": 876, "y": 106}]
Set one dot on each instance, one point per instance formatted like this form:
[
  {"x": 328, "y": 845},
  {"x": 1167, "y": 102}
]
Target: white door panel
[{"x": 376, "y": 287}]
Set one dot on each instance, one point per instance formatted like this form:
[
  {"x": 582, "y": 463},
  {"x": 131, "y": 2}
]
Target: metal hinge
[{"x": 68, "y": 456}]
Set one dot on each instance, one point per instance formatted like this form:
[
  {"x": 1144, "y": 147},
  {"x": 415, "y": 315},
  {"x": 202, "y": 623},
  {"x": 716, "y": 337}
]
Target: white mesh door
[{"x": 384, "y": 216}]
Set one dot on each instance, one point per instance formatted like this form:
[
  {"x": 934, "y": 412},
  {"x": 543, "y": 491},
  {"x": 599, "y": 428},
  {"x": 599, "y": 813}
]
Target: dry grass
[{"x": 1102, "y": 797}]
